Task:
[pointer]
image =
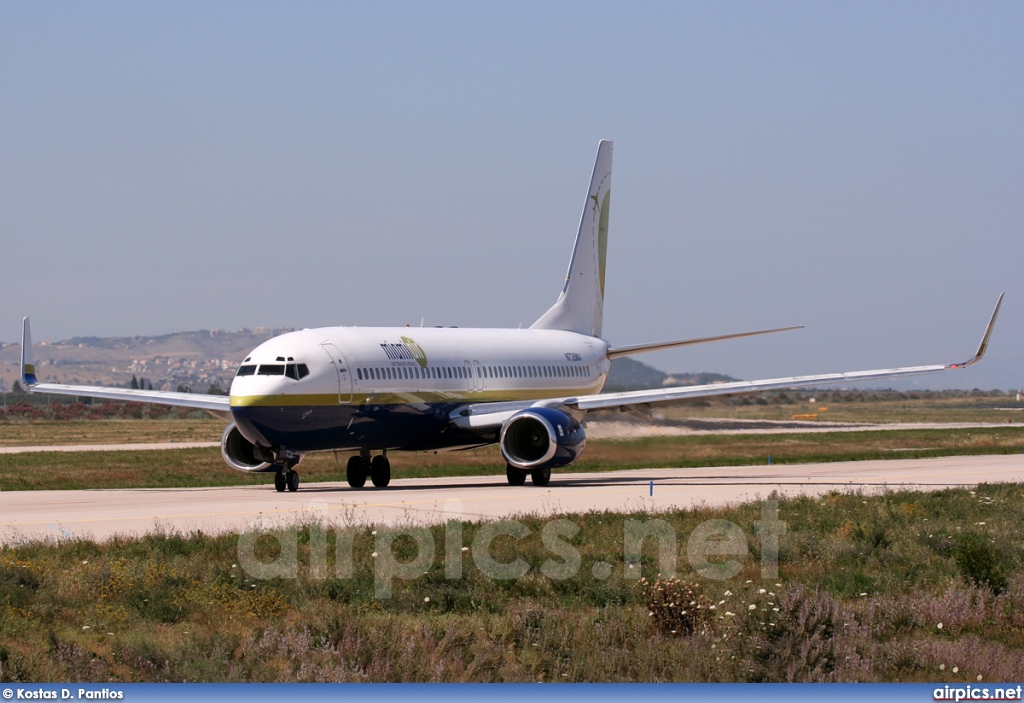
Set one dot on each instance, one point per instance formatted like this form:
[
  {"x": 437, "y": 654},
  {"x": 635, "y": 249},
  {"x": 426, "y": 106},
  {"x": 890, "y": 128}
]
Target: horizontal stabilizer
[{"x": 616, "y": 352}]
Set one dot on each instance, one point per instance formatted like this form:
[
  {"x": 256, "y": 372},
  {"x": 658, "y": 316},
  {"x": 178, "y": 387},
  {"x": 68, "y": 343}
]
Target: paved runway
[{"x": 101, "y": 514}]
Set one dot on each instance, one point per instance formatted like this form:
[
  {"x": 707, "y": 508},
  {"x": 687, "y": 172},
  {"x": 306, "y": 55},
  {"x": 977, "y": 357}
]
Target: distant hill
[
  {"x": 196, "y": 359},
  {"x": 203, "y": 358},
  {"x": 629, "y": 374}
]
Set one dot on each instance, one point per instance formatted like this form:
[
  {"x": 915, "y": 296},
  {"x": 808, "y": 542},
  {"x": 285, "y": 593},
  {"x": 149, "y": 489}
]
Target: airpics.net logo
[{"x": 408, "y": 350}]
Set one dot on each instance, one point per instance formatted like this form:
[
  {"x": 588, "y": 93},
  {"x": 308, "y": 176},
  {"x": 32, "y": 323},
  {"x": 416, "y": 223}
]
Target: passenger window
[{"x": 246, "y": 370}]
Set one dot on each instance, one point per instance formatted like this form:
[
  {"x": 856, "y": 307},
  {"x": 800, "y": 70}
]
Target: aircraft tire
[
  {"x": 516, "y": 477},
  {"x": 541, "y": 477},
  {"x": 380, "y": 471},
  {"x": 355, "y": 474},
  {"x": 292, "y": 479},
  {"x": 280, "y": 482}
]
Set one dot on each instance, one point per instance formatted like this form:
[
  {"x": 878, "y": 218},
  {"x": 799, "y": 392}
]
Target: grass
[
  {"x": 863, "y": 407},
  {"x": 44, "y": 433},
  {"x": 205, "y": 467},
  {"x": 870, "y": 588}
]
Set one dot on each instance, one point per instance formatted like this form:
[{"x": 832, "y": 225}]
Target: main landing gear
[
  {"x": 359, "y": 467},
  {"x": 517, "y": 477},
  {"x": 286, "y": 478}
]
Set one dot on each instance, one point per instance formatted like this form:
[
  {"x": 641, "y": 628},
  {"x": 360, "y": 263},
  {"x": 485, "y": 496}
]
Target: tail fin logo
[{"x": 602, "y": 236}]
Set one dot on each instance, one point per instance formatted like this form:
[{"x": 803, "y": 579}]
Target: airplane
[{"x": 371, "y": 390}]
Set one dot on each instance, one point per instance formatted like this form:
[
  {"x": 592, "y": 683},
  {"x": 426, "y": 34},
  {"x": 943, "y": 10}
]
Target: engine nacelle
[
  {"x": 241, "y": 454},
  {"x": 541, "y": 438}
]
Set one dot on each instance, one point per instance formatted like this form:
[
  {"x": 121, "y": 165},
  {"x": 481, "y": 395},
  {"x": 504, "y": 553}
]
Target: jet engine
[
  {"x": 541, "y": 438},
  {"x": 241, "y": 454}
]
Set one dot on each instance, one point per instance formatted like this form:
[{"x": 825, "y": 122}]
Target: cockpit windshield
[
  {"x": 296, "y": 371},
  {"x": 293, "y": 371}
]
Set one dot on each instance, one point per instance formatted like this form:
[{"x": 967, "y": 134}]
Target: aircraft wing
[
  {"x": 200, "y": 401},
  {"x": 485, "y": 416},
  {"x": 669, "y": 396},
  {"x": 217, "y": 404}
]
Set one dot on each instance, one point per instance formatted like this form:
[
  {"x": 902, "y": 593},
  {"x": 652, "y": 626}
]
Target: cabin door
[{"x": 342, "y": 371}]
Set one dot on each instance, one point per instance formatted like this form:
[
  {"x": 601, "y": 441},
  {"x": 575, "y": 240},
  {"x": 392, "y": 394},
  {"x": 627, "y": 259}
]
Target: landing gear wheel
[
  {"x": 516, "y": 477},
  {"x": 380, "y": 471},
  {"x": 280, "y": 482},
  {"x": 541, "y": 477},
  {"x": 355, "y": 472},
  {"x": 292, "y": 479}
]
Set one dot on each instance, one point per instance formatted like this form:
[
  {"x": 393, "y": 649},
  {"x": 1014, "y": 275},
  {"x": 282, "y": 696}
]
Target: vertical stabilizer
[
  {"x": 28, "y": 366},
  {"x": 580, "y": 306}
]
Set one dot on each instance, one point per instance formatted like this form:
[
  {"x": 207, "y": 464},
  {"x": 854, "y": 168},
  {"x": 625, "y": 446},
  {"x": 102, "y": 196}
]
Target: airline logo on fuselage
[{"x": 408, "y": 350}]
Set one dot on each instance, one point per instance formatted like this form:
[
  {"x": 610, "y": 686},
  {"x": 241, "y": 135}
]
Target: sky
[{"x": 857, "y": 168}]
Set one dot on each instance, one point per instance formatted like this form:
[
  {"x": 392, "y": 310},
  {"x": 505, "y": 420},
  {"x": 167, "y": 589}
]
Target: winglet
[
  {"x": 28, "y": 367},
  {"x": 983, "y": 347}
]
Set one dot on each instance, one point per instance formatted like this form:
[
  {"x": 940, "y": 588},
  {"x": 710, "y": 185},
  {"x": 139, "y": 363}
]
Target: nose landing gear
[{"x": 286, "y": 479}]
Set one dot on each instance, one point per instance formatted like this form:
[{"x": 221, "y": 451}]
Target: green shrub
[{"x": 979, "y": 562}]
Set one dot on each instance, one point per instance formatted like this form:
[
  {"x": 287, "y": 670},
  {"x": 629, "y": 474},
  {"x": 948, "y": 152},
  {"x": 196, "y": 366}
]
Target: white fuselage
[{"x": 307, "y": 390}]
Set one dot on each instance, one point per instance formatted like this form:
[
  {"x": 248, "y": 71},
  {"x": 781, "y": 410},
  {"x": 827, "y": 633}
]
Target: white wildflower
[
  {"x": 427, "y": 599},
  {"x": 956, "y": 669},
  {"x": 752, "y": 607},
  {"x": 939, "y": 626},
  {"x": 762, "y": 591}
]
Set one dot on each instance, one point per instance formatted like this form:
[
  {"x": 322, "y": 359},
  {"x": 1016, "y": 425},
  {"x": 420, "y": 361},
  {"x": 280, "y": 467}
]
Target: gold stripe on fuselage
[{"x": 410, "y": 397}]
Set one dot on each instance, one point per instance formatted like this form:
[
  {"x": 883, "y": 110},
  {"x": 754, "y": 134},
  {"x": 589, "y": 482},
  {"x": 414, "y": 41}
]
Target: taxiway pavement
[{"x": 101, "y": 514}]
